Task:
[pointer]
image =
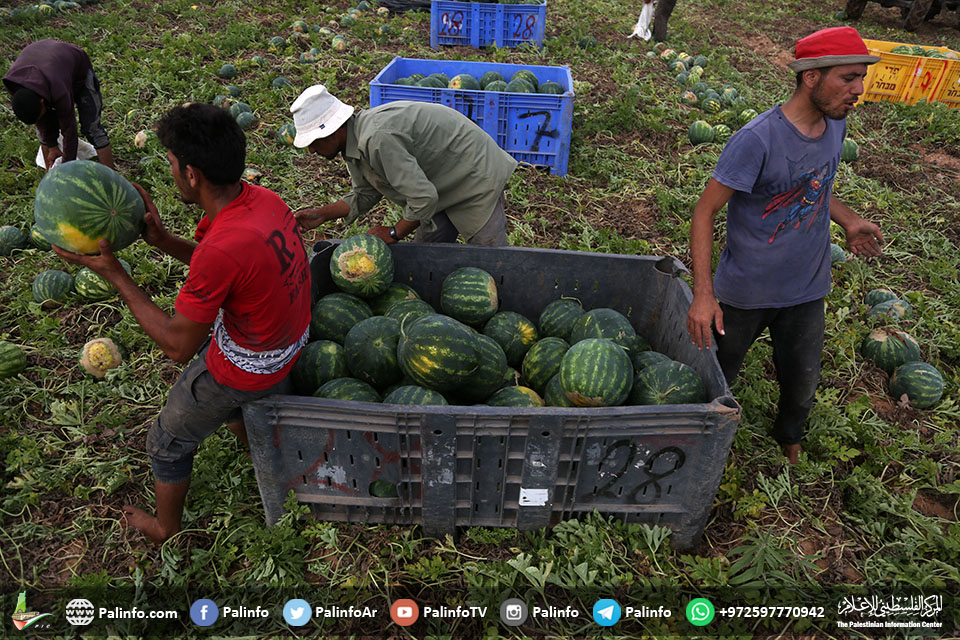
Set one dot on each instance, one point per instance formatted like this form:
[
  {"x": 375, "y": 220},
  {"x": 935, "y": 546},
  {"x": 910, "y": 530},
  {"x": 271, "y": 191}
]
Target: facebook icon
[{"x": 204, "y": 612}]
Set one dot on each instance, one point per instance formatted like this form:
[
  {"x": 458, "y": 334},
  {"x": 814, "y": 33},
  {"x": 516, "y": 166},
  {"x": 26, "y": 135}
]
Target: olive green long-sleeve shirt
[{"x": 426, "y": 158}]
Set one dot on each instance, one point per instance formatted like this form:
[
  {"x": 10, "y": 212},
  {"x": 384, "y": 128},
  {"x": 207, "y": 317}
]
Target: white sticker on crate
[{"x": 534, "y": 497}]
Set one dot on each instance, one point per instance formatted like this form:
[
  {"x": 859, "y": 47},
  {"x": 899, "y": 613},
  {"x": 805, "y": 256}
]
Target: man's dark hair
[
  {"x": 207, "y": 138},
  {"x": 27, "y": 105}
]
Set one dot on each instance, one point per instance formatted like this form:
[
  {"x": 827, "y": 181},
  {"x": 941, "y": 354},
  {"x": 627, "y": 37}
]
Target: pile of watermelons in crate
[
  {"x": 523, "y": 81},
  {"x": 895, "y": 351},
  {"x": 376, "y": 340}
]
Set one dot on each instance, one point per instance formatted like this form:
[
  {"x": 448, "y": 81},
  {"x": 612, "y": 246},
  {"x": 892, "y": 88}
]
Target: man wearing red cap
[{"x": 776, "y": 176}]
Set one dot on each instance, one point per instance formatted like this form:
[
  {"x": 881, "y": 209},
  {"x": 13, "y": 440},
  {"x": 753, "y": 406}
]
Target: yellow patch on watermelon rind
[{"x": 77, "y": 241}]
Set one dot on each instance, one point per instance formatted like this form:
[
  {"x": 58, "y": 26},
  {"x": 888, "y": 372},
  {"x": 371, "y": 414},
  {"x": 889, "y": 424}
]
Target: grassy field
[{"x": 872, "y": 505}]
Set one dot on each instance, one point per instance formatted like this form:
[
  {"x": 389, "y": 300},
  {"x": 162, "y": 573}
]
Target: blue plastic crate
[
  {"x": 534, "y": 128},
  {"x": 479, "y": 24}
]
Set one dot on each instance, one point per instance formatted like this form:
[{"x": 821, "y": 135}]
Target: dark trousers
[{"x": 797, "y": 336}]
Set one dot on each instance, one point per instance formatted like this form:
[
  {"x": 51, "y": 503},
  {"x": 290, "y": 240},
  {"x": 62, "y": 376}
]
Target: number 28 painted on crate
[
  {"x": 451, "y": 24},
  {"x": 524, "y": 28},
  {"x": 632, "y": 472}
]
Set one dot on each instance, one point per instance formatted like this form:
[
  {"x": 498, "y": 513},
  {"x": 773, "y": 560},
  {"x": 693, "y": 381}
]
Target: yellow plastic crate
[
  {"x": 907, "y": 78},
  {"x": 949, "y": 93}
]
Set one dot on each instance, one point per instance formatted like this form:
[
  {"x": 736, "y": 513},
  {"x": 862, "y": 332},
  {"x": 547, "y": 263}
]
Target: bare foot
[
  {"x": 792, "y": 451},
  {"x": 148, "y": 525}
]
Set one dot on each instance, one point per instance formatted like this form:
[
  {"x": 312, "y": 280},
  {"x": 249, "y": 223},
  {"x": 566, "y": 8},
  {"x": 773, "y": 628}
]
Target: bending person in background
[
  {"x": 249, "y": 283},
  {"x": 776, "y": 176},
  {"x": 447, "y": 173},
  {"x": 47, "y": 81}
]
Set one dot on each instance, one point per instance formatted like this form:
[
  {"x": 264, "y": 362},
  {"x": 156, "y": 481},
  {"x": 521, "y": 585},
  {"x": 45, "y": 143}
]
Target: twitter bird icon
[{"x": 296, "y": 612}]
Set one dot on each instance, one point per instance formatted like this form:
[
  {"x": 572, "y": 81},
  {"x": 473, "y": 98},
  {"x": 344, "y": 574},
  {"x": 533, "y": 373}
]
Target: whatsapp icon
[{"x": 700, "y": 612}]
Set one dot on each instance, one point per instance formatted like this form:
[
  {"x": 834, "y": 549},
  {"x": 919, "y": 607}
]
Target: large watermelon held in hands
[
  {"x": 80, "y": 202},
  {"x": 919, "y": 381},
  {"x": 362, "y": 265}
]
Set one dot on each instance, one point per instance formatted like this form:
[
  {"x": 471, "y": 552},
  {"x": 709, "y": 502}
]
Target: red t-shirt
[{"x": 252, "y": 264}]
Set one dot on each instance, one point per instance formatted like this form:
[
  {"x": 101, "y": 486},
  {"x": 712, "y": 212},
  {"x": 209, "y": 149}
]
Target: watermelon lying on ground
[
  {"x": 890, "y": 348},
  {"x": 52, "y": 284},
  {"x": 920, "y": 382},
  {"x": 12, "y": 359},
  {"x": 80, "y": 202}
]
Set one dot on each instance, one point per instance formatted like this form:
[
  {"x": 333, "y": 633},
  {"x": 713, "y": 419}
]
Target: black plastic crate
[{"x": 500, "y": 466}]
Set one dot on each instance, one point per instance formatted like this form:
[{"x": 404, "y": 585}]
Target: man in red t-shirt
[{"x": 244, "y": 309}]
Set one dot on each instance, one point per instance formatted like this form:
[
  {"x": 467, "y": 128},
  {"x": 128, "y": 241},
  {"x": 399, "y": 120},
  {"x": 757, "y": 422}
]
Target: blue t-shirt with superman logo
[{"x": 778, "y": 219}]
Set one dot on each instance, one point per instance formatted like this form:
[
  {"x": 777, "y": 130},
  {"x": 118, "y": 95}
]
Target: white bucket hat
[{"x": 317, "y": 114}]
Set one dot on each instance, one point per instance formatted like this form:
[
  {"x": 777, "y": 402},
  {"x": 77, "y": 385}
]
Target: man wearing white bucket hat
[{"x": 446, "y": 172}]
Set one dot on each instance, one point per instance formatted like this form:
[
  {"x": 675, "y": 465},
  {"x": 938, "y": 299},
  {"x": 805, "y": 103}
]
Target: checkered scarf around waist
[{"x": 261, "y": 362}]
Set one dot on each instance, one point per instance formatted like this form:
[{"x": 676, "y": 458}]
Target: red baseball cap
[{"x": 830, "y": 48}]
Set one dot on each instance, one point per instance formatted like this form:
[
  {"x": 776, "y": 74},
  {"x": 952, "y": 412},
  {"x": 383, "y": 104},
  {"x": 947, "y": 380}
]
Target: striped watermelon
[
  {"x": 700, "y": 132},
  {"x": 37, "y": 239},
  {"x": 80, "y": 202},
  {"x": 371, "y": 350},
  {"x": 52, "y": 284},
  {"x": 488, "y": 377},
  {"x": 515, "y": 397},
  {"x": 895, "y": 309},
  {"x": 438, "y": 352},
  {"x": 553, "y": 395},
  {"x": 395, "y": 292},
  {"x": 362, "y": 265},
  {"x": 319, "y": 362},
  {"x": 542, "y": 362},
  {"x": 514, "y": 333},
  {"x": 643, "y": 359},
  {"x": 413, "y": 394},
  {"x": 596, "y": 373},
  {"x": 347, "y": 389},
  {"x": 837, "y": 254},
  {"x": 12, "y": 238},
  {"x": 604, "y": 323},
  {"x": 12, "y": 359},
  {"x": 668, "y": 383},
  {"x": 511, "y": 378},
  {"x": 90, "y": 285},
  {"x": 558, "y": 317},
  {"x": 919, "y": 381},
  {"x": 335, "y": 314},
  {"x": 889, "y": 348},
  {"x": 876, "y": 296},
  {"x": 469, "y": 294},
  {"x": 405, "y": 311}
]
